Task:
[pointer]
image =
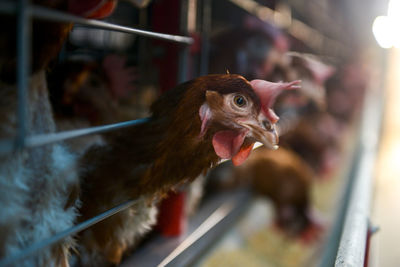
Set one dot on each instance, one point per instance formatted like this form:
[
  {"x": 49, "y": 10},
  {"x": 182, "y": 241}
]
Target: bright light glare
[
  {"x": 393, "y": 8},
  {"x": 385, "y": 28},
  {"x": 383, "y": 31}
]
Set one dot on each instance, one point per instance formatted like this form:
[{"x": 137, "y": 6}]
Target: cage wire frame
[
  {"x": 352, "y": 245},
  {"x": 24, "y": 12}
]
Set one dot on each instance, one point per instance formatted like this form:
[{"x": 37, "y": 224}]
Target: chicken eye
[{"x": 239, "y": 100}]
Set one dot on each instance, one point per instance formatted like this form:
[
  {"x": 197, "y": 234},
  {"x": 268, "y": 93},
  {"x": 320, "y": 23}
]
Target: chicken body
[
  {"x": 306, "y": 127},
  {"x": 35, "y": 184},
  {"x": 316, "y": 139},
  {"x": 285, "y": 179},
  {"x": 191, "y": 128}
]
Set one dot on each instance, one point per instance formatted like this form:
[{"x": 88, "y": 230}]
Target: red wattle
[
  {"x": 242, "y": 155},
  {"x": 227, "y": 143}
]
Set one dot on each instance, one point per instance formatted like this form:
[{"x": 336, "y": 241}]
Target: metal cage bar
[
  {"x": 44, "y": 139},
  {"x": 24, "y": 13},
  {"x": 352, "y": 246},
  {"x": 23, "y": 42},
  {"x": 300, "y": 30},
  {"x": 54, "y": 15}
]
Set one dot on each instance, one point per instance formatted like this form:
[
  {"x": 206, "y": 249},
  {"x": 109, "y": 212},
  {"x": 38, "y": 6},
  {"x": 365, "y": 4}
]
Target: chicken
[
  {"x": 249, "y": 52},
  {"x": 313, "y": 73},
  {"x": 345, "y": 92},
  {"x": 80, "y": 90},
  {"x": 252, "y": 48},
  {"x": 316, "y": 139},
  {"x": 191, "y": 128},
  {"x": 285, "y": 179},
  {"x": 35, "y": 184},
  {"x": 89, "y": 90},
  {"x": 306, "y": 127},
  {"x": 38, "y": 186}
]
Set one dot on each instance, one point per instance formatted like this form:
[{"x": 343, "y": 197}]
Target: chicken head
[{"x": 241, "y": 117}]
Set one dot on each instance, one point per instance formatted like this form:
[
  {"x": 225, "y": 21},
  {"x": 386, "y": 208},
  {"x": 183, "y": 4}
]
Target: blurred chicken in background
[
  {"x": 309, "y": 134},
  {"x": 346, "y": 90},
  {"x": 285, "y": 179},
  {"x": 259, "y": 50},
  {"x": 86, "y": 93},
  {"x": 306, "y": 127},
  {"x": 313, "y": 73},
  {"x": 316, "y": 139},
  {"x": 252, "y": 50}
]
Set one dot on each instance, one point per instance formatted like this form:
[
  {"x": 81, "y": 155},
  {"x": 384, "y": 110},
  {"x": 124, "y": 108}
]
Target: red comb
[{"x": 268, "y": 92}]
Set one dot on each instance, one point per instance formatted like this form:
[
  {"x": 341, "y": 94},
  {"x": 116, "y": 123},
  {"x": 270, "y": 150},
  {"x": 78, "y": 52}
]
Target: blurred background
[{"x": 332, "y": 187}]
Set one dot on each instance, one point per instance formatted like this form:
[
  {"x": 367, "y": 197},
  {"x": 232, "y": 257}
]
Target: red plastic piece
[
  {"x": 171, "y": 216},
  {"x": 94, "y": 9}
]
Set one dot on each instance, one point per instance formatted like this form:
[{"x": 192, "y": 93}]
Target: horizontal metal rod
[
  {"x": 60, "y": 236},
  {"x": 44, "y": 139},
  {"x": 54, "y": 15},
  {"x": 7, "y": 146},
  {"x": 310, "y": 36}
]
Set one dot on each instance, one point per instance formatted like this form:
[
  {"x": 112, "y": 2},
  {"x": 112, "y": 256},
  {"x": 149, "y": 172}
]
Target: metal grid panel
[
  {"x": 54, "y": 15},
  {"x": 24, "y": 13},
  {"x": 347, "y": 254}
]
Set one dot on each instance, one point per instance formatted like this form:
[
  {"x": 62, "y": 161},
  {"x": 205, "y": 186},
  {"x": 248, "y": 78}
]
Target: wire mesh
[{"x": 24, "y": 12}]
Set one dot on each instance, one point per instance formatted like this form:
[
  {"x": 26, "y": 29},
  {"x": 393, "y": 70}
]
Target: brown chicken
[
  {"x": 285, "y": 179},
  {"x": 191, "y": 128},
  {"x": 316, "y": 139},
  {"x": 306, "y": 128},
  {"x": 313, "y": 73}
]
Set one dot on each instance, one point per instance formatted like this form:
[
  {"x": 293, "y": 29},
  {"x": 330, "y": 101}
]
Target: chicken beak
[
  {"x": 263, "y": 131},
  {"x": 267, "y": 135}
]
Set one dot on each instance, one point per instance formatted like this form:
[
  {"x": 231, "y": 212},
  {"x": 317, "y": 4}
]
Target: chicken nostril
[
  {"x": 276, "y": 139},
  {"x": 268, "y": 125}
]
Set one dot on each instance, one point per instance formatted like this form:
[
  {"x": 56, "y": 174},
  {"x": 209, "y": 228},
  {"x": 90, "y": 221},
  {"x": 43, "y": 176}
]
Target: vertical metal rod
[
  {"x": 23, "y": 59},
  {"x": 205, "y": 36},
  {"x": 184, "y": 52}
]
